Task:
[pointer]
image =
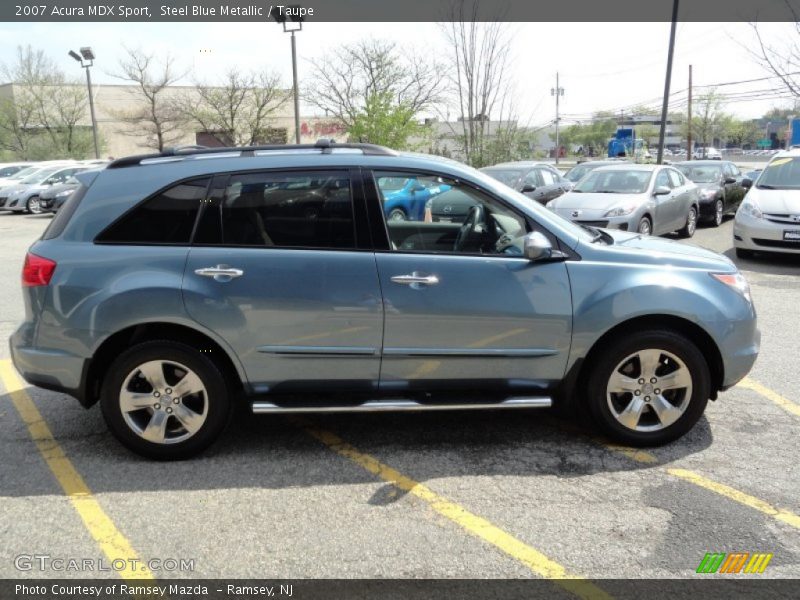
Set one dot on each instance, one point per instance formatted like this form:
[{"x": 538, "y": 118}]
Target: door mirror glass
[
  {"x": 747, "y": 183},
  {"x": 528, "y": 187},
  {"x": 537, "y": 246},
  {"x": 730, "y": 180},
  {"x": 661, "y": 190}
]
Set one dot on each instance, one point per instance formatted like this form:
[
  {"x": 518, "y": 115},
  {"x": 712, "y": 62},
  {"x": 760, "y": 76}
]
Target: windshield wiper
[
  {"x": 599, "y": 234},
  {"x": 765, "y": 186},
  {"x": 576, "y": 191},
  {"x": 607, "y": 192}
]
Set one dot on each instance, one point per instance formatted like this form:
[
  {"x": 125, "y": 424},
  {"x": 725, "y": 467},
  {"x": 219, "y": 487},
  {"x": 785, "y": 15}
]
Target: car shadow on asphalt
[
  {"x": 277, "y": 452},
  {"x": 771, "y": 263}
]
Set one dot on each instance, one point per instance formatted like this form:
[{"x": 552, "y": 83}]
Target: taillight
[{"x": 37, "y": 270}]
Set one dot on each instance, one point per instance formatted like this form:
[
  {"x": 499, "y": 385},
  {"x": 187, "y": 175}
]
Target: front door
[
  {"x": 463, "y": 309},
  {"x": 276, "y": 271}
]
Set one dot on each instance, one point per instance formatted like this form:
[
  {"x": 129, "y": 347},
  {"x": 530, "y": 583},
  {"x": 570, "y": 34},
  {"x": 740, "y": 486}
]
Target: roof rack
[{"x": 325, "y": 145}]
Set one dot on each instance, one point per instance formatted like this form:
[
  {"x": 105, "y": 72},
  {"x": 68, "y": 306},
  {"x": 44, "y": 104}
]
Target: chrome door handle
[
  {"x": 220, "y": 272},
  {"x": 415, "y": 279}
]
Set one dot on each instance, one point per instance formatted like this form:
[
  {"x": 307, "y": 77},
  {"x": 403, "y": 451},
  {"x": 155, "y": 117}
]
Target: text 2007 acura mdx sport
[{"x": 170, "y": 286}]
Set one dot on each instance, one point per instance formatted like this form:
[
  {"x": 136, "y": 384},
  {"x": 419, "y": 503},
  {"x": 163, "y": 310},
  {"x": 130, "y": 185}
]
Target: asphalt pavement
[{"x": 453, "y": 495}]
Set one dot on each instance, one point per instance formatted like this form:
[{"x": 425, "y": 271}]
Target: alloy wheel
[
  {"x": 163, "y": 402},
  {"x": 649, "y": 390}
]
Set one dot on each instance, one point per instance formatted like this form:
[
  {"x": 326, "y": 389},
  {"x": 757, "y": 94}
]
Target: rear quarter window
[
  {"x": 168, "y": 217},
  {"x": 63, "y": 216}
]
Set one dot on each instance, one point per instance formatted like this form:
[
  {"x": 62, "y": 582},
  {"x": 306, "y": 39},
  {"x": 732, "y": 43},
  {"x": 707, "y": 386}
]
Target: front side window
[
  {"x": 281, "y": 209},
  {"x": 676, "y": 178},
  {"x": 547, "y": 176},
  {"x": 457, "y": 219},
  {"x": 662, "y": 180},
  {"x": 165, "y": 218}
]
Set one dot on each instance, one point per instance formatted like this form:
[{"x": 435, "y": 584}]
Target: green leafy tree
[{"x": 385, "y": 122}]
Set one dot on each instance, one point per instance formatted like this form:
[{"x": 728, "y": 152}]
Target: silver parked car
[
  {"x": 769, "y": 217},
  {"x": 648, "y": 199},
  {"x": 24, "y": 197}
]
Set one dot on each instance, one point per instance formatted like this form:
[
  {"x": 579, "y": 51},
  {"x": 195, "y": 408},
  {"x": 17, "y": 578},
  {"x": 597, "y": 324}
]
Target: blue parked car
[
  {"x": 407, "y": 203},
  {"x": 171, "y": 286}
]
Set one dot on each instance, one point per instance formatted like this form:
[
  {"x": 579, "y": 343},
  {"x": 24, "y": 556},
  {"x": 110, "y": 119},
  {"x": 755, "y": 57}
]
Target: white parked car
[
  {"x": 768, "y": 219},
  {"x": 707, "y": 153}
]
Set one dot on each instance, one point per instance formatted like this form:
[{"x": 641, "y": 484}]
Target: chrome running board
[{"x": 263, "y": 407}]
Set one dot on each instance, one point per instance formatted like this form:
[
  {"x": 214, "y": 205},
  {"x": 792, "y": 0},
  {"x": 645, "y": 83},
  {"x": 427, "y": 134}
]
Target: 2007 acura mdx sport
[{"x": 170, "y": 286}]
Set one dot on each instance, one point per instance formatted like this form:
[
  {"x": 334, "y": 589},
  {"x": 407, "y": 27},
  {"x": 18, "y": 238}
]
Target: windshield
[
  {"x": 40, "y": 176},
  {"x": 617, "y": 181},
  {"x": 702, "y": 174},
  {"x": 575, "y": 173},
  {"x": 781, "y": 174},
  {"x": 508, "y": 176},
  {"x": 24, "y": 173}
]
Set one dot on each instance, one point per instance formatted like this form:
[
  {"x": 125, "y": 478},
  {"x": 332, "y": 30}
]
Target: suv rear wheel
[
  {"x": 649, "y": 388},
  {"x": 164, "y": 400}
]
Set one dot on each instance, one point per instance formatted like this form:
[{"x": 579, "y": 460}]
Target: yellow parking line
[
  {"x": 784, "y": 403},
  {"x": 470, "y": 522},
  {"x": 113, "y": 544},
  {"x": 737, "y": 496}
]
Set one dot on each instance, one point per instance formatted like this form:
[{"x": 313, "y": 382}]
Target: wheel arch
[
  {"x": 576, "y": 379},
  {"x": 118, "y": 342}
]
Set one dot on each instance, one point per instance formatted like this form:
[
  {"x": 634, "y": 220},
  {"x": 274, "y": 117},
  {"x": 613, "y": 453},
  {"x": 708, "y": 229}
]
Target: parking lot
[{"x": 512, "y": 494}]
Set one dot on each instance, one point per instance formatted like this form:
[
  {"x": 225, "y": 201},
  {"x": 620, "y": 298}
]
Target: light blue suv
[{"x": 170, "y": 286}]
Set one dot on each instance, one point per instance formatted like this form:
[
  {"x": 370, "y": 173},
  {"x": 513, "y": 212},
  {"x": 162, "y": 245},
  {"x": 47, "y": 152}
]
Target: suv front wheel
[
  {"x": 649, "y": 388},
  {"x": 164, "y": 400}
]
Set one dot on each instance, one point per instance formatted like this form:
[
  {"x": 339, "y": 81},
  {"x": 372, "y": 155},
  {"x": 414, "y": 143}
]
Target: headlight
[
  {"x": 620, "y": 211},
  {"x": 63, "y": 194},
  {"x": 749, "y": 207},
  {"x": 736, "y": 281}
]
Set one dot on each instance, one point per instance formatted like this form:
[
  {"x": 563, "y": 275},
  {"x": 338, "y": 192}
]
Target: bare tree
[
  {"x": 157, "y": 119},
  {"x": 372, "y": 86},
  {"x": 478, "y": 78},
  {"x": 780, "y": 56},
  {"x": 240, "y": 111},
  {"x": 45, "y": 103}
]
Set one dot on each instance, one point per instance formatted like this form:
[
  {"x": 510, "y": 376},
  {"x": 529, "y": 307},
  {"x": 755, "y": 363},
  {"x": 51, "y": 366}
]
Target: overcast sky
[{"x": 602, "y": 66}]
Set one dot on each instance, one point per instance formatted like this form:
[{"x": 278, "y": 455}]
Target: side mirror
[
  {"x": 528, "y": 188},
  {"x": 417, "y": 187},
  {"x": 536, "y": 246},
  {"x": 747, "y": 183},
  {"x": 730, "y": 180},
  {"x": 661, "y": 190}
]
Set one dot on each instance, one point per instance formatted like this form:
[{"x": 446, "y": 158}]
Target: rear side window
[
  {"x": 166, "y": 218},
  {"x": 59, "y": 222},
  {"x": 309, "y": 209}
]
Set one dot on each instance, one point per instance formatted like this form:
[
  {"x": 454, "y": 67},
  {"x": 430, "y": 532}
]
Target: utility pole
[
  {"x": 557, "y": 92},
  {"x": 667, "y": 80},
  {"x": 689, "y": 121}
]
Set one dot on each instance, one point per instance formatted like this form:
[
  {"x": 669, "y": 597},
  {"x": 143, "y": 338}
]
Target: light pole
[
  {"x": 291, "y": 26},
  {"x": 86, "y": 58},
  {"x": 557, "y": 92}
]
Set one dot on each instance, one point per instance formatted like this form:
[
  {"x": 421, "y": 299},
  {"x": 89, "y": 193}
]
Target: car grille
[
  {"x": 782, "y": 218},
  {"x": 593, "y": 223},
  {"x": 777, "y": 243}
]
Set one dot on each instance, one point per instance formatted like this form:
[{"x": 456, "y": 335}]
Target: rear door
[
  {"x": 281, "y": 270},
  {"x": 463, "y": 309}
]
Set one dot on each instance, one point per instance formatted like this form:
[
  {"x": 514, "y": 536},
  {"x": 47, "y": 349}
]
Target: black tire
[
  {"x": 29, "y": 203},
  {"x": 645, "y": 223},
  {"x": 602, "y": 369},
  {"x": 216, "y": 395},
  {"x": 744, "y": 253},
  {"x": 688, "y": 230},
  {"x": 719, "y": 212},
  {"x": 397, "y": 214}
]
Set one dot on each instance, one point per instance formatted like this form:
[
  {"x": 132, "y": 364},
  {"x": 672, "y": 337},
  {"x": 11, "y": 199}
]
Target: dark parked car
[
  {"x": 52, "y": 199},
  {"x": 539, "y": 181},
  {"x": 722, "y": 187}
]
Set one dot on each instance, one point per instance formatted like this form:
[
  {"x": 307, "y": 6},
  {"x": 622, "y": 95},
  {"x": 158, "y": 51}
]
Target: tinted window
[
  {"x": 166, "y": 218},
  {"x": 289, "y": 210},
  {"x": 59, "y": 222},
  {"x": 6, "y": 171}
]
